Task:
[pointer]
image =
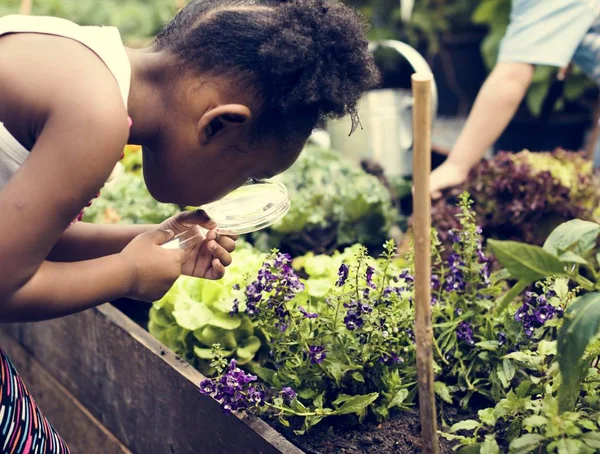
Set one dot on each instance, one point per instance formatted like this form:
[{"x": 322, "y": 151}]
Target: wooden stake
[
  {"x": 25, "y": 7},
  {"x": 422, "y": 119}
]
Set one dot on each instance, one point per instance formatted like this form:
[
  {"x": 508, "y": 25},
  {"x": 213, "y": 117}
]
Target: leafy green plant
[
  {"x": 345, "y": 332},
  {"x": 495, "y": 15},
  {"x": 126, "y": 200},
  {"x": 569, "y": 251},
  {"x": 334, "y": 204},
  {"x": 195, "y": 314}
]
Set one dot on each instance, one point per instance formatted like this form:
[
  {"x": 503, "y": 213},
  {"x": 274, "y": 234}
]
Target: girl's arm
[{"x": 86, "y": 241}]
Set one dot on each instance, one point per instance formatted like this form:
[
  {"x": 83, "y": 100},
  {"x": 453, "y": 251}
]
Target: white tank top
[{"x": 104, "y": 41}]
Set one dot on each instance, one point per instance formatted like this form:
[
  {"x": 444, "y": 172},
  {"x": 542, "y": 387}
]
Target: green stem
[
  {"x": 317, "y": 412},
  {"x": 439, "y": 352},
  {"x": 512, "y": 294},
  {"x": 586, "y": 284}
]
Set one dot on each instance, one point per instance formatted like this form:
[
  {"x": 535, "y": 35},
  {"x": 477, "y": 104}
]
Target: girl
[{"x": 230, "y": 90}]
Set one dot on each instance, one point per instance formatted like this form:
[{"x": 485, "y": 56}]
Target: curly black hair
[{"x": 306, "y": 61}]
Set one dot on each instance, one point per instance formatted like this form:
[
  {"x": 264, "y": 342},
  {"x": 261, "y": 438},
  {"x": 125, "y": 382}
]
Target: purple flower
[
  {"x": 550, "y": 294},
  {"x": 256, "y": 396},
  {"x": 316, "y": 353},
  {"x": 535, "y": 312},
  {"x": 521, "y": 313},
  {"x": 207, "y": 386},
  {"x": 342, "y": 275},
  {"x": 230, "y": 389},
  {"x": 544, "y": 313},
  {"x": 435, "y": 282},
  {"x": 391, "y": 358},
  {"x": 501, "y": 338},
  {"x": 281, "y": 326},
  {"x": 352, "y": 320},
  {"x": 288, "y": 393},
  {"x": 235, "y": 308},
  {"x": 307, "y": 314},
  {"x": 406, "y": 276},
  {"x": 370, "y": 272},
  {"x": 454, "y": 236},
  {"x": 464, "y": 332}
]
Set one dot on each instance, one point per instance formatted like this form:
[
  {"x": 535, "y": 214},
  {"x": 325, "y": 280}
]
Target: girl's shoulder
[{"x": 48, "y": 74}]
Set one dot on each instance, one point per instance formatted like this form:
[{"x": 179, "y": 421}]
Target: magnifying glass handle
[{"x": 187, "y": 239}]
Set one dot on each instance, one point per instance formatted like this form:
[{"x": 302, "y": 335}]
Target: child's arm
[
  {"x": 58, "y": 289},
  {"x": 85, "y": 241}
]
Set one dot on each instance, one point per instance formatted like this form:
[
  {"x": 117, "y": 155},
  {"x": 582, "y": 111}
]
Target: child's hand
[
  {"x": 154, "y": 269},
  {"x": 207, "y": 259}
]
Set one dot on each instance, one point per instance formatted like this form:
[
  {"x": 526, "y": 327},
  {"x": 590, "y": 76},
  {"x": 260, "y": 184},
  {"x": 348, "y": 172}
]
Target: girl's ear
[{"x": 222, "y": 119}]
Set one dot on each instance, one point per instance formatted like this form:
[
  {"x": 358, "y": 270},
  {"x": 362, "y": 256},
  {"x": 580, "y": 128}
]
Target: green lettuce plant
[{"x": 195, "y": 314}]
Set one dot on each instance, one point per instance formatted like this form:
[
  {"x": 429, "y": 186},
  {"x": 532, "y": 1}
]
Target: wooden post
[
  {"x": 25, "y": 7},
  {"x": 422, "y": 120}
]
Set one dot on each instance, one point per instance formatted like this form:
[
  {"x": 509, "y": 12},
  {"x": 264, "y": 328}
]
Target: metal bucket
[{"x": 386, "y": 118}]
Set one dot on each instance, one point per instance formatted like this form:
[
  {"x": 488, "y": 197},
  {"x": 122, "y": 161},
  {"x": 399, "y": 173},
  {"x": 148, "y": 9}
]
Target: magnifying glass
[{"x": 252, "y": 207}]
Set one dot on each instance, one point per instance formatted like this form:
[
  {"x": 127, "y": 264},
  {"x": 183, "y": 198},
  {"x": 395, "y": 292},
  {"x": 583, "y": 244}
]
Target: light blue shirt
[{"x": 554, "y": 33}]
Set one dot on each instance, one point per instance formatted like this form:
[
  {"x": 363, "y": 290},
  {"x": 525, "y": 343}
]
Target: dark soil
[{"x": 399, "y": 435}]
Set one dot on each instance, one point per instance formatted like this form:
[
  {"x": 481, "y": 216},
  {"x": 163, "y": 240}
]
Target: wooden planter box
[{"x": 109, "y": 387}]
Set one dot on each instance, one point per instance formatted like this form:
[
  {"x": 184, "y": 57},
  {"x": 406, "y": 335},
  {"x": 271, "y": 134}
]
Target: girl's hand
[
  {"x": 207, "y": 259},
  {"x": 153, "y": 269}
]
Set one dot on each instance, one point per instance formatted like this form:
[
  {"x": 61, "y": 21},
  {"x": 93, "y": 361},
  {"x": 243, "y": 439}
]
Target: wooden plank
[
  {"x": 139, "y": 390},
  {"x": 80, "y": 430}
]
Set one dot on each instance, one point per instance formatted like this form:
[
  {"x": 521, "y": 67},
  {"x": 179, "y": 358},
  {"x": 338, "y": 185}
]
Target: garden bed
[
  {"x": 401, "y": 434},
  {"x": 133, "y": 393},
  {"x": 141, "y": 395}
]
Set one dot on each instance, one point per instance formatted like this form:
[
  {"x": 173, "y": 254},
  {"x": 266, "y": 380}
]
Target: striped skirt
[{"x": 23, "y": 427}]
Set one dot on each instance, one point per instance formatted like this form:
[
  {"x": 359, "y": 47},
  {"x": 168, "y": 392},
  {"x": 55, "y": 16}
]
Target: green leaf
[
  {"x": 509, "y": 369},
  {"x": 580, "y": 326},
  {"x": 578, "y": 233},
  {"x": 203, "y": 353},
  {"x": 535, "y": 421},
  {"x": 489, "y": 446},
  {"x": 442, "y": 391},
  {"x": 247, "y": 351},
  {"x": 398, "y": 398},
  {"x": 488, "y": 345},
  {"x": 358, "y": 377},
  {"x": 568, "y": 446},
  {"x": 318, "y": 402},
  {"x": 501, "y": 375},
  {"x": 592, "y": 439},
  {"x": 526, "y": 443},
  {"x": 525, "y": 261},
  {"x": 571, "y": 257},
  {"x": 509, "y": 296},
  {"x": 191, "y": 315},
  {"x": 561, "y": 287},
  {"x": 338, "y": 370},
  {"x": 487, "y": 416},
  {"x": 225, "y": 321},
  {"x": 467, "y": 424},
  {"x": 356, "y": 404}
]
